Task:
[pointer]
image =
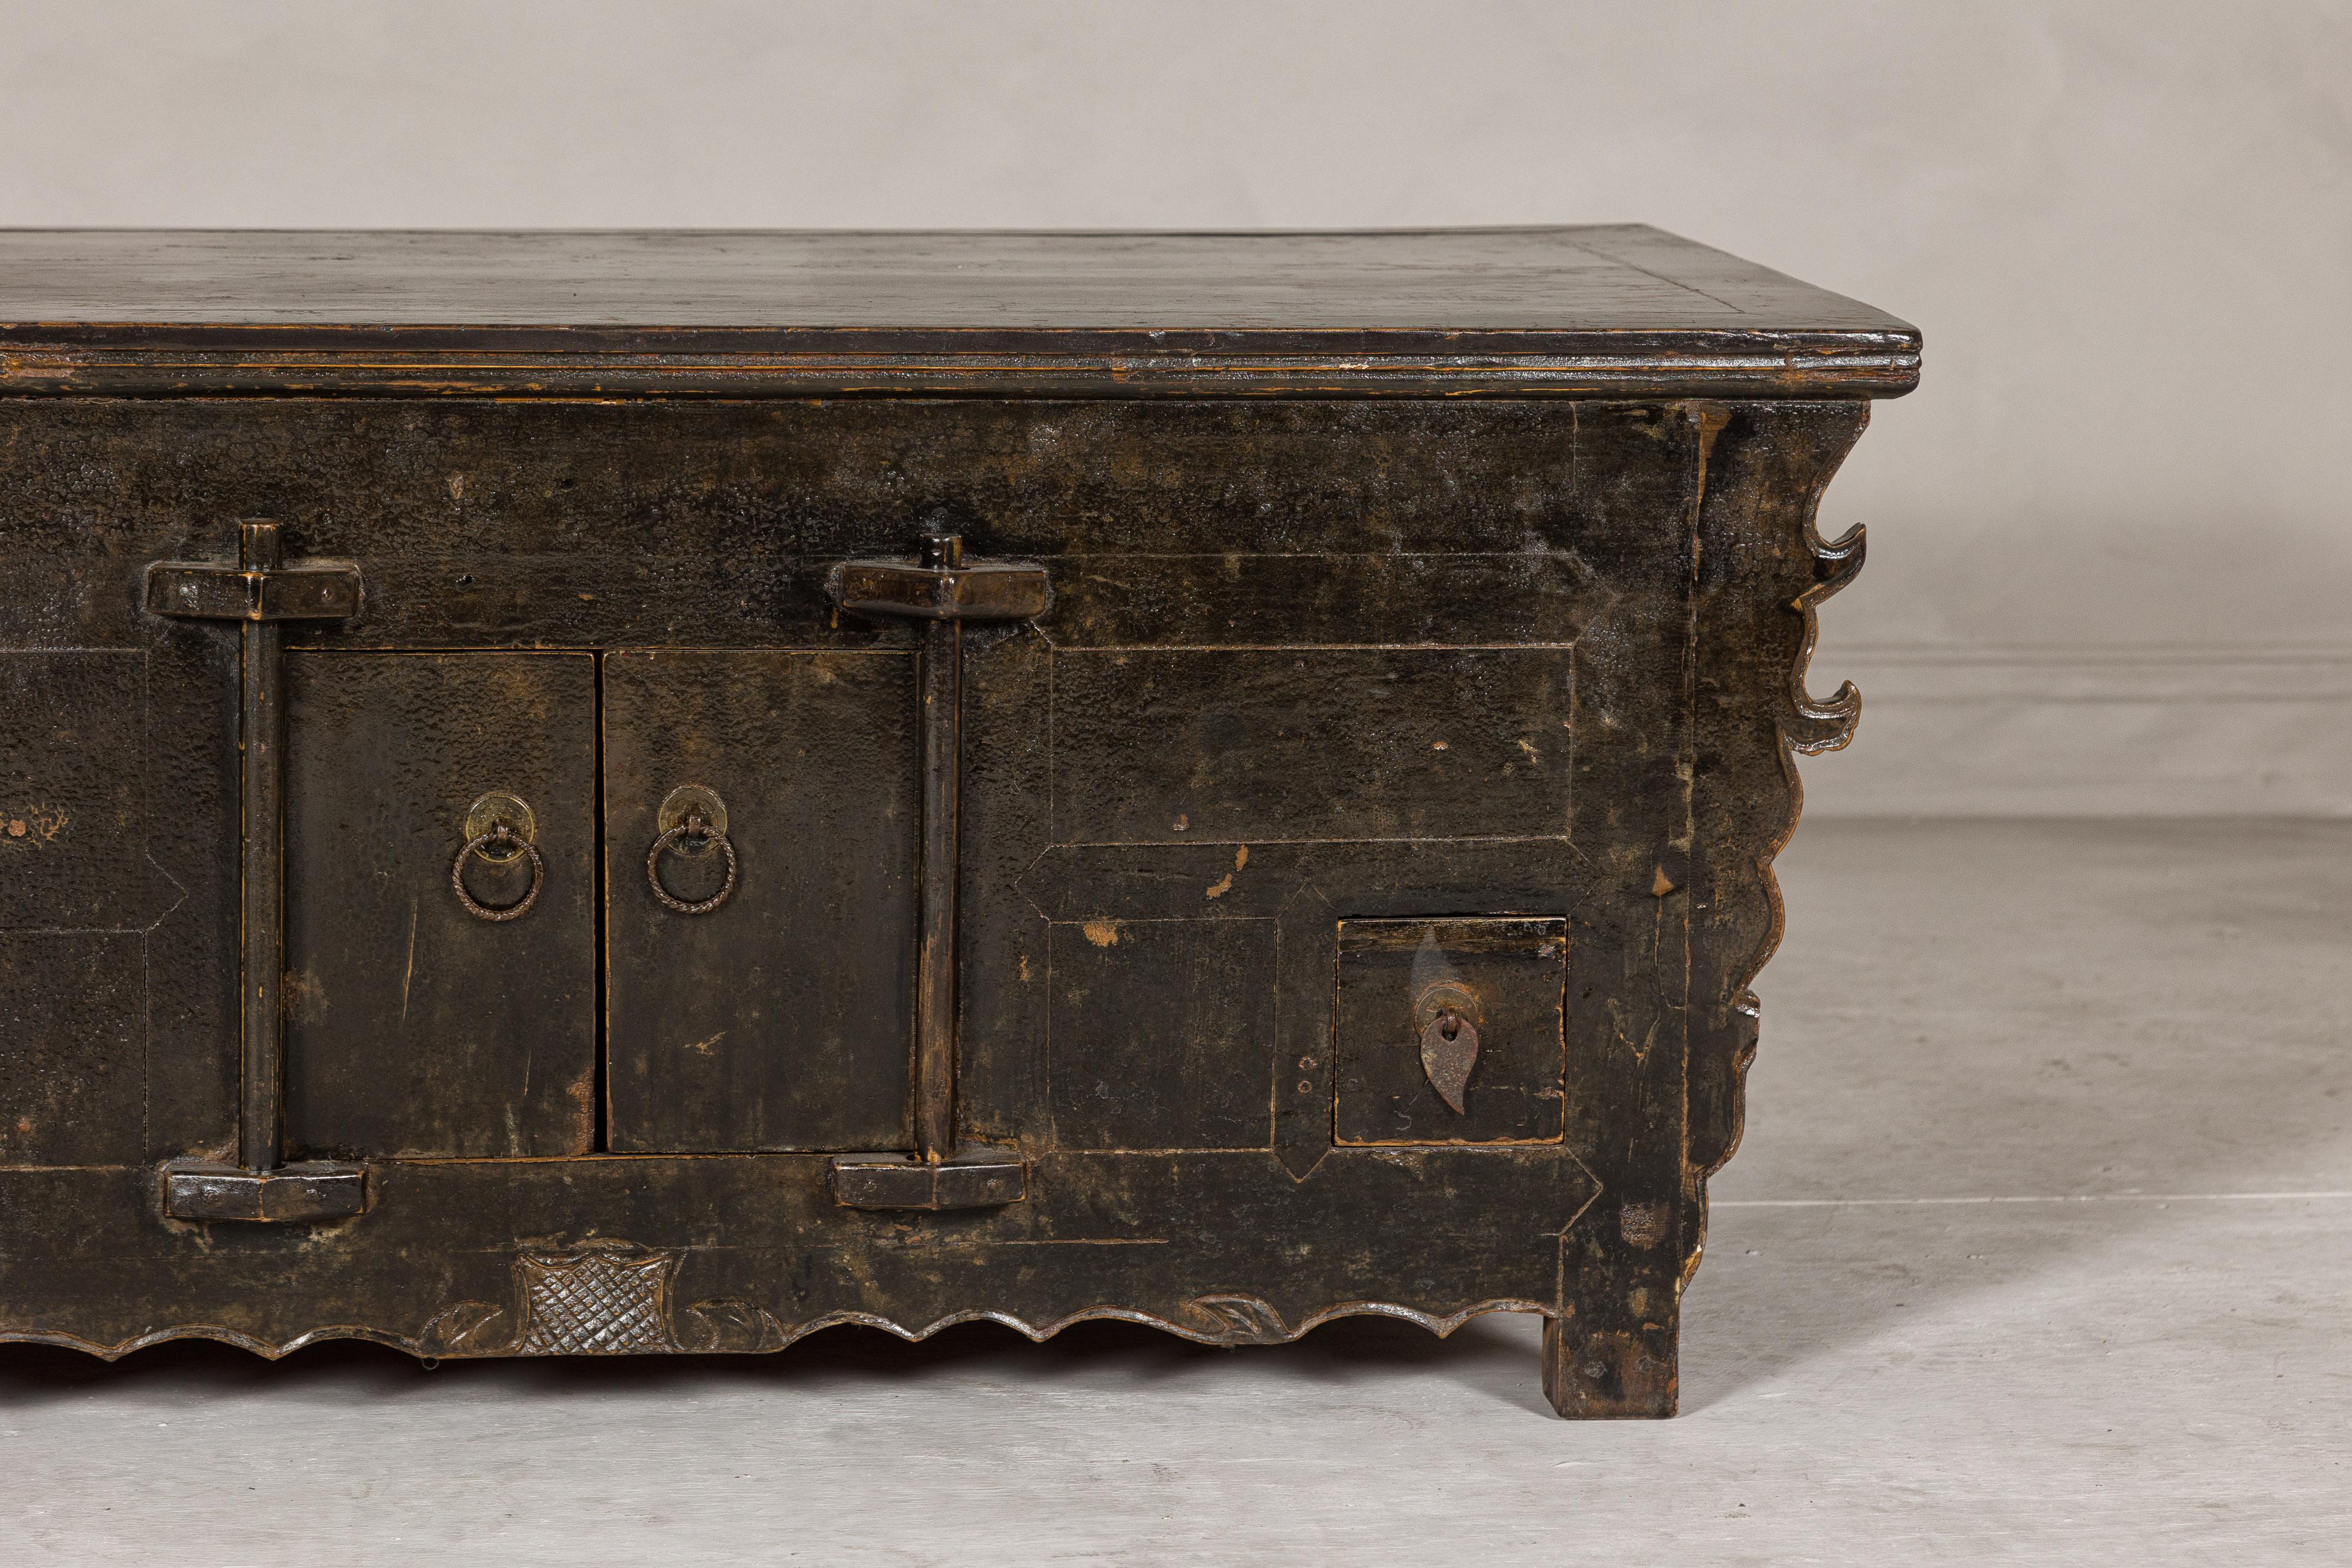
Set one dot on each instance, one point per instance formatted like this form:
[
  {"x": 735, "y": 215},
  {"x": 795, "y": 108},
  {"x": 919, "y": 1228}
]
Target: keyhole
[{"x": 1449, "y": 1025}]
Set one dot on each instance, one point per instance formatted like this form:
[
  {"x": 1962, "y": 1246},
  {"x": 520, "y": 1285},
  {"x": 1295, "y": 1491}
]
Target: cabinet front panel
[
  {"x": 414, "y": 1025},
  {"x": 1300, "y": 706},
  {"x": 1260, "y": 744},
  {"x": 781, "y": 1017}
]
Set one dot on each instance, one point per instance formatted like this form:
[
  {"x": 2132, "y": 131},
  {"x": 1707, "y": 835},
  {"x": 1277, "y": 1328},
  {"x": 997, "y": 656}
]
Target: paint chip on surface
[
  {"x": 1224, "y": 884},
  {"x": 1102, "y": 932}
]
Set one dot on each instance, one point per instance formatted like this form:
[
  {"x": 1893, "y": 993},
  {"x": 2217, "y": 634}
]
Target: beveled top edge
[{"x": 1571, "y": 311}]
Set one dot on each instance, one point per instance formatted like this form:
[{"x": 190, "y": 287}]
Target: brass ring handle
[
  {"x": 502, "y": 836},
  {"x": 692, "y": 827}
]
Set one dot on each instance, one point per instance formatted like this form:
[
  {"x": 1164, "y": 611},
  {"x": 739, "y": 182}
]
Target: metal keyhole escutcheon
[
  {"x": 694, "y": 830},
  {"x": 1449, "y": 1041},
  {"x": 500, "y": 843}
]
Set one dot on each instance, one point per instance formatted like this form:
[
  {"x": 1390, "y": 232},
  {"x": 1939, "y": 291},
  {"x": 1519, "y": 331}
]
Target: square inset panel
[
  {"x": 1163, "y": 1034},
  {"x": 1253, "y": 745},
  {"x": 73, "y": 843},
  {"x": 73, "y": 1087},
  {"x": 1451, "y": 1031}
]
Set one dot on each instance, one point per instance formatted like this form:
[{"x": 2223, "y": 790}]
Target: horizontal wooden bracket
[
  {"x": 974, "y": 1177},
  {"x": 941, "y": 586},
  {"x": 207, "y": 1189},
  {"x": 215, "y": 591}
]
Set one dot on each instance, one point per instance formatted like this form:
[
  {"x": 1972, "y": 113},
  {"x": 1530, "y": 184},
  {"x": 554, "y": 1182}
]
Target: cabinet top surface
[{"x": 1479, "y": 299}]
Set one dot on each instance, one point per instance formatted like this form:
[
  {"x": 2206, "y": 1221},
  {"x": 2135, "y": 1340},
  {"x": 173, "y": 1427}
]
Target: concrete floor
[{"x": 2040, "y": 1250}]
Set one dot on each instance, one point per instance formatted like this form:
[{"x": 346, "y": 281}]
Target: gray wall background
[{"x": 2110, "y": 550}]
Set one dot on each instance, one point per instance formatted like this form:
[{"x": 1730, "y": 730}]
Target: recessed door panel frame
[
  {"x": 415, "y": 1026},
  {"x": 779, "y": 1017}
]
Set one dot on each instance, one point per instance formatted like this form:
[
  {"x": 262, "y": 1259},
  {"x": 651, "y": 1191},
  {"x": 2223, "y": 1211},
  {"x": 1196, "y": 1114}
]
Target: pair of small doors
[{"x": 602, "y": 1018}]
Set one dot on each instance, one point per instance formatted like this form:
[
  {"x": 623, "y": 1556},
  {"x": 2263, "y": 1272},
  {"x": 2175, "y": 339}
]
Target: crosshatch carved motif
[
  {"x": 601, "y": 1298},
  {"x": 595, "y": 1302}
]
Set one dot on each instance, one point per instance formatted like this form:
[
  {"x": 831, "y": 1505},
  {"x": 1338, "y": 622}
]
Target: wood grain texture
[
  {"x": 781, "y": 1020},
  {"x": 1192, "y": 1069},
  {"x": 1622, "y": 308},
  {"x": 412, "y": 1027}
]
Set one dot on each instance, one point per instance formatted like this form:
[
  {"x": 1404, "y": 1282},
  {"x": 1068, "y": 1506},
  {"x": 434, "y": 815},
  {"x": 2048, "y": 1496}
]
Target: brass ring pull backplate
[
  {"x": 703, "y": 823},
  {"x": 490, "y": 845}
]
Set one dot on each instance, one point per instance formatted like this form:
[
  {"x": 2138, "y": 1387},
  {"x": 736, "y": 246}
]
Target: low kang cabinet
[{"x": 592, "y": 794}]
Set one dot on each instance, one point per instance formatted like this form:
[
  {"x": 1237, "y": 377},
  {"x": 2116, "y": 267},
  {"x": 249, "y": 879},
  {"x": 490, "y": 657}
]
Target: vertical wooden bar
[
  {"x": 261, "y": 733},
  {"x": 943, "y": 591},
  {"x": 256, "y": 594},
  {"x": 935, "y": 963},
  {"x": 1612, "y": 1349}
]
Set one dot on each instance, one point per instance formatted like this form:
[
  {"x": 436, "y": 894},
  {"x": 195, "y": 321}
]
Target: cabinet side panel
[{"x": 1763, "y": 569}]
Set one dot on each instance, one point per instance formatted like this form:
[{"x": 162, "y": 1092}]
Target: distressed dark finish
[
  {"x": 1500, "y": 985},
  {"x": 414, "y": 1027},
  {"x": 1103, "y": 896},
  {"x": 973, "y": 1177},
  {"x": 257, "y": 590},
  {"x": 781, "y": 1020},
  {"x": 1185, "y": 1070},
  {"x": 941, "y": 588},
  {"x": 1619, "y": 310},
  {"x": 301, "y": 1193}
]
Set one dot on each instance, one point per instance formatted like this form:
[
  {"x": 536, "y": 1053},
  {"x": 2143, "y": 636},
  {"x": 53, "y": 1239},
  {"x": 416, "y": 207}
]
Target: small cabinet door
[
  {"x": 781, "y": 1017},
  {"x": 413, "y": 1025}
]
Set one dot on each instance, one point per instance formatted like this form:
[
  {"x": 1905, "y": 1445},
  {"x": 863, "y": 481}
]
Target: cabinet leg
[{"x": 1592, "y": 1372}]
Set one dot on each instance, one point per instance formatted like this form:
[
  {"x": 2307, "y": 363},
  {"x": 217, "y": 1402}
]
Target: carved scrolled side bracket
[
  {"x": 1770, "y": 569},
  {"x": 1813, "y": 727}
]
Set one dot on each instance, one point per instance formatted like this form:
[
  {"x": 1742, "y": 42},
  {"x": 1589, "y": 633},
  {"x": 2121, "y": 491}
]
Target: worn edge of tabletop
[{"x": 1769, "y": 337}]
